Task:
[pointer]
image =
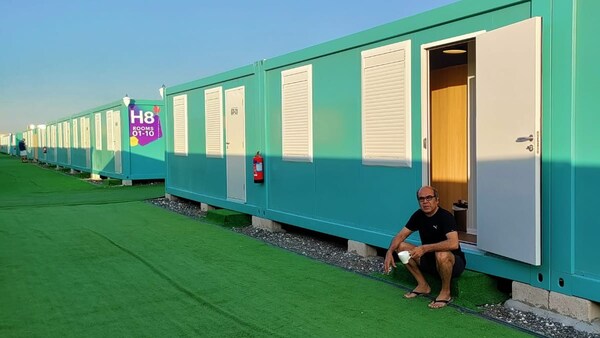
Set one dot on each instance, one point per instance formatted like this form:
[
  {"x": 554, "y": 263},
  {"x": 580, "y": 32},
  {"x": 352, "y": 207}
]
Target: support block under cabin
[
  {"x": 205, "y": 207},
  {"x": 266, "y": 224},
  {"x": 362, "y": 249}
]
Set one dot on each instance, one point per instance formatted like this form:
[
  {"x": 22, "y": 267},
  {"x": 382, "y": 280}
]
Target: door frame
[{"x": 426, "y": 116}]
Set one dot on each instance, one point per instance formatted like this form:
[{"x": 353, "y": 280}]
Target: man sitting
[{"x": 439, "y": 252}]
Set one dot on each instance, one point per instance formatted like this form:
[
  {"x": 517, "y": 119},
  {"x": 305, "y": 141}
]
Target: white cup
[{"x": 404, "y": 256}]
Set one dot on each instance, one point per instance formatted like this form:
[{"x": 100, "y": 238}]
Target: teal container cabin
[
  {"x": 13, "y": 143},
  {"x": 63, "y": 142},
  {"x": 8, "y": 143},
  {"x": 80, "y": 147},
  {"x": 51, "y": 155},
  {"x": 126, "y": 141},
  {"x": 31, "y": 140},
  {"x": 41, "y": 143},
  {"x": 27, "y": 136},
  {"x": 5, "y": 143},
  {"x": 215, "y": 126},
  {"x": 492, "y": 102}
]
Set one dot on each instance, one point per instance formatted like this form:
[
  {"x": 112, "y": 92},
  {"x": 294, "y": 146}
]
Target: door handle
[{"x": 525, "y": 139}]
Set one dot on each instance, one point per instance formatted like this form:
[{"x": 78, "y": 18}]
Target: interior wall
[{"x": 449, "y": 134}]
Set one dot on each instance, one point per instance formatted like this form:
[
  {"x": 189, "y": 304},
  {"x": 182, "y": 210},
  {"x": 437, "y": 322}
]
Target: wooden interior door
[{"x": 448, "y": 134}]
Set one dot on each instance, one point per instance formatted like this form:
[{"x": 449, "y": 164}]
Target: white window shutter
[
  {"x": 67, "y": 134},
  {"x": 53, "y": 136},
  {"x": 385, "y": 94},
  {"x": 60, "y": 135},
  {"x": 75, "y": 134},
  {"x": 109, "y": 131},
  {"x": 98, "y": 126},
  {"x": 296, "y": 114},
  {"x": 213, "y": 118},
  {"x": 180, "y": 130}
]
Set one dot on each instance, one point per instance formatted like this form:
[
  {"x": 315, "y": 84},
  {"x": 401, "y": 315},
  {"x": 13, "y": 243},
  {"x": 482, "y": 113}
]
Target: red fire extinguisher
[{"x": 257, "y": 167}]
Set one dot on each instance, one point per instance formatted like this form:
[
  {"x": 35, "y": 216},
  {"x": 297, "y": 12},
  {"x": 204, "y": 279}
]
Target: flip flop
[
  {"x": 444, "y": 302},
  {"x": 415, "y": 294}
]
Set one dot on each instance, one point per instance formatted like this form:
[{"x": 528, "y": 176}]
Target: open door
[{"x": 508, "y": 115}]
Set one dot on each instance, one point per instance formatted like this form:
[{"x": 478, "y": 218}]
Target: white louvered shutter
[
  {"x": 60, "y": 135},
  {"x": 386, "y": 137},
  {"x": 213, "y": 118},
  {"x": 67, "y": 134},
  {"x": 98, "y": 126},
  {"x": 180, "y": 130},
  {"x": 296, "y": 111},
  {"x": 53, "y": 136},
  {"x": 75, "y": 134}
]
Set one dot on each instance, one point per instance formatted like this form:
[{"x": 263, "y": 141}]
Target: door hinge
[{"x": 425, "y": 143}]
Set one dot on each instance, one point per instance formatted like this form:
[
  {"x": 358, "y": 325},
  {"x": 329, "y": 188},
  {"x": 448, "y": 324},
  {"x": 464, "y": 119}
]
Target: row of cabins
[
  {"x": 121, "y": 140},
  {"x": 490, "y": 101}
]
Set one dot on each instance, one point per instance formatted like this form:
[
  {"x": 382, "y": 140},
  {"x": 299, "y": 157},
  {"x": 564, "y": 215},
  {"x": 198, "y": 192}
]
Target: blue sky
[{"x": 62, "y": 57}]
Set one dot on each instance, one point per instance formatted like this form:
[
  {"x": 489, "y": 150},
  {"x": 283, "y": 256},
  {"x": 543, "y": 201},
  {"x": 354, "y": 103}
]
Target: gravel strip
[{"x": 333, "y": 250}]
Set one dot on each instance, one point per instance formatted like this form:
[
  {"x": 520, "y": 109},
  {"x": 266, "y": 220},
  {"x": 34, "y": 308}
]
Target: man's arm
[
  {"x": 451, "y": 243},
  {"x": 399, "y": 238},
  {"x": 395, "y": 245}
]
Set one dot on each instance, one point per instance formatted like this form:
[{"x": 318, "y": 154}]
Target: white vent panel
[{"x": 180, "y": 130}]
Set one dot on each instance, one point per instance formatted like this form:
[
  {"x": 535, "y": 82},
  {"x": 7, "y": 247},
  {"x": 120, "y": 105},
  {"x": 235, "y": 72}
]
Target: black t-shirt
[{"x": 433, "y": 229}]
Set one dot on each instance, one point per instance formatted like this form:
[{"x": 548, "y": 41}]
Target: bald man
[{"x": 439, "y": 252}]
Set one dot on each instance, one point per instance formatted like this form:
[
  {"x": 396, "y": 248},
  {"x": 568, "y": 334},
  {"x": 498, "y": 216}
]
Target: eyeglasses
[{"x": 427, "y": 198}]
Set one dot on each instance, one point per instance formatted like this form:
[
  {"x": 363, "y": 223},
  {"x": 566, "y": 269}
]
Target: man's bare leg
[
  {"x": 413, "y": 267},
  {"x": 445, "y": 263}
]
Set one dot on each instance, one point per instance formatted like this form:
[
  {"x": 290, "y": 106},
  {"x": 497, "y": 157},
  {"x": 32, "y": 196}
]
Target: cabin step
[
  {"x": 472, "y": 288},
  {"x": 228, "y": 218}
]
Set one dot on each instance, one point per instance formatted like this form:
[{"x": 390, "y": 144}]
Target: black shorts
[{"x": 429, "y": 265}]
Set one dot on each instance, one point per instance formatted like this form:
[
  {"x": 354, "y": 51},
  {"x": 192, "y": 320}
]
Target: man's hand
[
  {"x": 389, "y": 261},
  {"x": 417, "y": 252}
]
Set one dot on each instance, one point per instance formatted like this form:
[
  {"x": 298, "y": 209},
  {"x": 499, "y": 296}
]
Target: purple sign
[{"x": 144, "y": 126}]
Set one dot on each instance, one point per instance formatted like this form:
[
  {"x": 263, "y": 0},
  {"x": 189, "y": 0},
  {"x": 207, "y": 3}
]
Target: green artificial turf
[
  {"x": 29, "y": 185},
  {"x": 100, "y": 268},
  {"x": 471, "y": 290}
]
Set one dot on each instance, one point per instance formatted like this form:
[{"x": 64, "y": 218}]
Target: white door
[
  {"x": 116, "y": 136},
  {"x": 508, "y": 115},
  {"x": 86, "y": 137},
  {"x": 235, "y": 142}
]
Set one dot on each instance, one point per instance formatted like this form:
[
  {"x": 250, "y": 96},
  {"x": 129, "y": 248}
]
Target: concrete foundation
[
  {"x": 171, "y": 197},
  {"x": 266, "y": 224},
  {"x": 95, "y": 177},
  {"x": 361, "y": 249},
  {"x": 205, "y": 207},
  {"x": 127, "y": 182},
  {"x": 583, "y": 314}
]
